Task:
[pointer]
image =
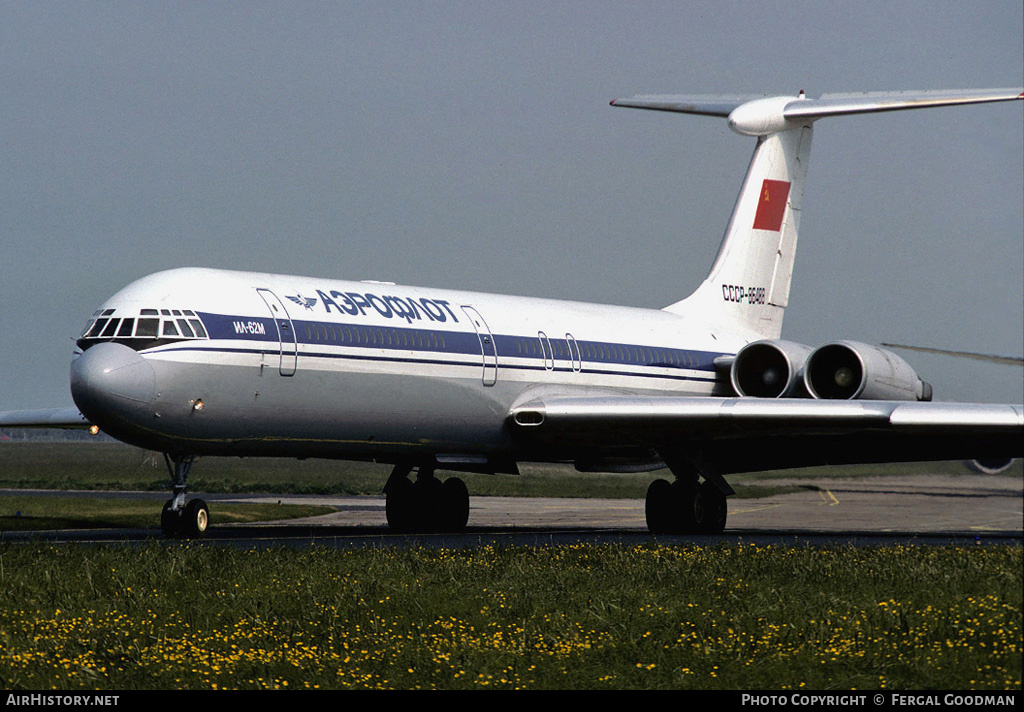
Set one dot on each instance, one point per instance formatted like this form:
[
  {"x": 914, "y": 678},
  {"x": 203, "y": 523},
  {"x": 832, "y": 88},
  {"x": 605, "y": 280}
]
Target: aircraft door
[
  {"x": 574, "y": 353},
  {"x": 546, "y": 351},
  {"x": 488, "y": 349},
  {"x": 285, "y": 331}
]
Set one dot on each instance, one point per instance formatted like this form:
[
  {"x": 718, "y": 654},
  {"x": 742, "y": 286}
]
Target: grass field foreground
[{"x": 571, "y": 617}]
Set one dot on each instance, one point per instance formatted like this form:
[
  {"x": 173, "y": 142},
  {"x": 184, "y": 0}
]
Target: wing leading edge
[{"x": 750, "y": 434}]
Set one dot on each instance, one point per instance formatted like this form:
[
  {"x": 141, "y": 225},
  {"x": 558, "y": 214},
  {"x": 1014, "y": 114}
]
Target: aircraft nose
[{"x": 109, "y": 379}]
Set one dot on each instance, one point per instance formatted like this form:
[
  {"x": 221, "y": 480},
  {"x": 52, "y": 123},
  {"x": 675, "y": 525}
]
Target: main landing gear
[
  {"x": 686, "y": 506},
  {"x": 179, "y": 518},
  {"x": 426, "y": 504}
]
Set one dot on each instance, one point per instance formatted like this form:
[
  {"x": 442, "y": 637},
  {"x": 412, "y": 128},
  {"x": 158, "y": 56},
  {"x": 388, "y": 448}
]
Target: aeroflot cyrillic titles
[{"x": 387, "y": 306}]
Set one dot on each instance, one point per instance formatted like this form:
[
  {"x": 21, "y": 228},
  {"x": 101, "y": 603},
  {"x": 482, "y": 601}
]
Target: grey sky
[{"x": 470, "y": 145}]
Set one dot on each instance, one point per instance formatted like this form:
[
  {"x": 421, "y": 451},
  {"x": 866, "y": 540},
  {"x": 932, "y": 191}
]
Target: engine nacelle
[
  {"x": 770, "y": 369},
  {"x": 847, "y": 370}
]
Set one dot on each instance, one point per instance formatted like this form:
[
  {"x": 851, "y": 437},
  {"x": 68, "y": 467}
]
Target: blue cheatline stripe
[
  {"x": 475, "y": 365},
  {"x": 592, "y": 354}
]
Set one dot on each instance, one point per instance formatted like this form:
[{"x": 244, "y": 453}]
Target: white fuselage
[{"x": 221, "y": 362}]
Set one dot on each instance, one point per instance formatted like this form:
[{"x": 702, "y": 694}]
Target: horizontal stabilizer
[
  {"x": 836, "y": 104},
  {"x": 870, "y": 102},
  {"x": 763, "y": 115},
  {"x": 703, "y": 104}
]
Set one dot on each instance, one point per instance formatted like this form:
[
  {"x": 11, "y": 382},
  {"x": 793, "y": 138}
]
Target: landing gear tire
[
  {"x": 191, "y": 522},
  {"x": 691, "y": 506},
  {"x": 659, "y": 507},
  {"x": 196, "y": 519},
  {"x": 455, "y": 504},
  {"x": 684, "y": 507},
  {"x": 715, "y": 507},
  {"x": 400, "y": 505},
  {"x": 169, "y": 520},
  {"x": 429, "y": 505}
]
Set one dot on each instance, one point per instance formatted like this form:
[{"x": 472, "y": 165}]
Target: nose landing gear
[{"x": 181, "y": 519}]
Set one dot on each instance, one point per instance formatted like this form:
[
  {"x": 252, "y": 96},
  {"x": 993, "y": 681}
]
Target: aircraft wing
[
  {"x": 44, "y": 418},
  {"x": 728, "y": 435}
]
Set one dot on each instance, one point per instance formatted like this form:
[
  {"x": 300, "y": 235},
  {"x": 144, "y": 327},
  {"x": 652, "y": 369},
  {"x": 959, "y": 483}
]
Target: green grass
[
  {"x": 171, "y": 615},
  {"x": 21, "y": 513},
  {"x": 571, "y": 617}
]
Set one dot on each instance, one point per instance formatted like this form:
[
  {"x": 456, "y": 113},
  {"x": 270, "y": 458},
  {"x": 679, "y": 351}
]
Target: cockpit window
[
  {"x": 143, "y": 328},
  {"x": 197, "y": 326},
  {"x": 148, "y": 327},
  {"x": 97, "y": 328}
]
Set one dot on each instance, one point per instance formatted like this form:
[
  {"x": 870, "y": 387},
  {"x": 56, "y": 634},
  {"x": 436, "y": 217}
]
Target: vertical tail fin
[
  {"x": 747, "y": 289},
  {"x": 748, "y": 284}
]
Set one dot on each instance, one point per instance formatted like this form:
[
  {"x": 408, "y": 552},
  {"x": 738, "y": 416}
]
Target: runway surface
[
  {"x": 919, "y": 508},
  {"x": 923, "y": 504}
]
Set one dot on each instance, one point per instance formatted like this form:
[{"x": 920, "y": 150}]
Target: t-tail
[{"x": 747, "y": 289}]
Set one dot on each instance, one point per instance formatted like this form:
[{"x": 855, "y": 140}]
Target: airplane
[{"x": 193, "y": 362}]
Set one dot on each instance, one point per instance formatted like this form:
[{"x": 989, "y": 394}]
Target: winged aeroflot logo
[{"x": 302, "y": 301}]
